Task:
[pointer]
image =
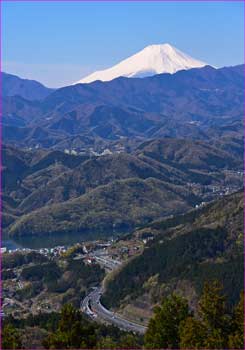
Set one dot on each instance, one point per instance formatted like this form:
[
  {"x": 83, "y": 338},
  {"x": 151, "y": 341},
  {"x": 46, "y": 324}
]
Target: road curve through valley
[{"x": 92, "y": 306}]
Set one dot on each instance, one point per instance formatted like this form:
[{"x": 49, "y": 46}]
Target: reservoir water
[{"x": 54, "y": 240}]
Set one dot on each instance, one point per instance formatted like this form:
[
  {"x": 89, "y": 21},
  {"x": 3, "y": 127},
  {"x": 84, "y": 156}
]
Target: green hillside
[
  {"x": 118, "y": 205},
  {"x": 191, "y": 248}
]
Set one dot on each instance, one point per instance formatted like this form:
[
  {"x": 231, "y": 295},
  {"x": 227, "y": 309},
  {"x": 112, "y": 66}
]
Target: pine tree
[
  {"x": 10, "y": 338},
  {"x": 107, "y": 343},
  {"x": 73, "y": 331},
  {"x": 192, "y": 334},
  {"x": 213, "y": 313},
  {"x": 128, "y": 341},
  {"x": 236, "y": 338},
  {"x": 212, "y": 305},
  {"x": 163, "y": 329}
]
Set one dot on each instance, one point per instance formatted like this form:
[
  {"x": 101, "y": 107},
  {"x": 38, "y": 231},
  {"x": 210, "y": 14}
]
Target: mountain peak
[
  {"x": 153, "y": 59},
  {"x": 165, "y": 46}
]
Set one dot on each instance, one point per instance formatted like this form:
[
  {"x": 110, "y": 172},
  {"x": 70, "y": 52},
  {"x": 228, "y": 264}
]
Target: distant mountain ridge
[
  {"x": 13, "y": 85},
  {"x": 153, "y": 59},
  {"x": 195, "y": 103}
]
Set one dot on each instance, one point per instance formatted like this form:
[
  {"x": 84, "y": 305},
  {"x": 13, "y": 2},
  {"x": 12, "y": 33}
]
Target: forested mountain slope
[{"x": 187, "y": 250}]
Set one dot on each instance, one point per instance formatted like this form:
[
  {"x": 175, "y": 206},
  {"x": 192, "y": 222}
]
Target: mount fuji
[{"x": 153, "y": 59}]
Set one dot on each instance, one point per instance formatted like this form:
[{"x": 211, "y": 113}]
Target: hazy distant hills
[
  {"x": 198, "y": 103},
  {"x": 28, "y": 89}
]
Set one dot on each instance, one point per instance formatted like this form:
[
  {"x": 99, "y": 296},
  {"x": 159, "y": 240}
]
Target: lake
[{"x": 54, "y": 240}]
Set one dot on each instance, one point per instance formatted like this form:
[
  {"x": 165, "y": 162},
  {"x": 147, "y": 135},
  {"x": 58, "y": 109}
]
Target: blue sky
[{"x": 58, "y": 43}]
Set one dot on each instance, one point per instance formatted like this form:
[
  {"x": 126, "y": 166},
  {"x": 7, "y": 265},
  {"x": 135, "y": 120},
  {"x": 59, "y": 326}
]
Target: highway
[
  {"x": 103, "y": 259},
  {"x": 92, "y": 306}
]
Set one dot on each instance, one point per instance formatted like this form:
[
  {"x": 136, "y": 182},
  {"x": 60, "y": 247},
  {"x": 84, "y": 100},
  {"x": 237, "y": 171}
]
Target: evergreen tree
[
  {"x": 192, "y": 334},
  {"x": 163, "y": 329},
  {"x": 215, "y": 339},
  {"x": 211, "y": 328},
  {"x": 107, "y": 343},
  {"x": 213, "y": 313},
  {"x": 73, "y": 331},
  {"x": 172, "y": 326},
  {"x": 10, "y": 337},
  {"x": 128, "y": 341},
  {"x": 236, "y": 338},
  {"x": 212, "y": 305}
]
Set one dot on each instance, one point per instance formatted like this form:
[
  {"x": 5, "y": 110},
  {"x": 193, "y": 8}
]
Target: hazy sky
[{"x": 58, "y": 43}]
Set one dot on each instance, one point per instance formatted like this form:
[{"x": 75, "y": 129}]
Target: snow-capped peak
[{"x": 153, "y": 59}]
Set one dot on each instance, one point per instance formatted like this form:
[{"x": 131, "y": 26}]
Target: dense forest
[{"x": 200, "y": 245}]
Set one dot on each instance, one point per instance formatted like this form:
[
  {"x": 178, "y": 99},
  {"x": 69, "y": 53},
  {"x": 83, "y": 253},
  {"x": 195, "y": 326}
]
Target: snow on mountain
[{"x": 153, "y": 59}]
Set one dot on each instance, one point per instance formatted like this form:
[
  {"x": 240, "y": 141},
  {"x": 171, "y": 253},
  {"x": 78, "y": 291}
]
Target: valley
[
  {"x": 122, "y": 175},
  {"x": 118, "y": 195},
  {"x": 44, "y": 276},
  {"x": 208, "y": 243}
]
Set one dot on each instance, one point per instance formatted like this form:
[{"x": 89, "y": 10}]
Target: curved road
[{"x": 92, "y": 306}]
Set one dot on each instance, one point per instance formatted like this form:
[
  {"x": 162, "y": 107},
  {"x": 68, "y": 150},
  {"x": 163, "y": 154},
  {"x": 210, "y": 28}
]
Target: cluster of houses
[
  {"x": 56, "y": 251},
  {"x": 92, "y": 152}
]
